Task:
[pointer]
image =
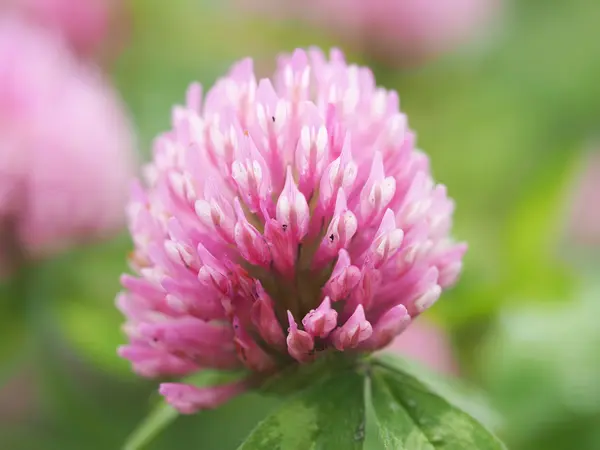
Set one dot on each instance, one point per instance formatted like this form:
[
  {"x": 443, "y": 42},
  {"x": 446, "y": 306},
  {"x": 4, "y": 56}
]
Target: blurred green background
[{"x": 508, "y": 125}]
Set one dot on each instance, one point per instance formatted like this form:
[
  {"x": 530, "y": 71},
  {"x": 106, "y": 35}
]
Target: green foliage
[
  {"x": 541, "y": 368},
  {"x": 329, "y": 410},
  {"x": 327, "y": 415},
  {"x": 413, "y": 417},
  {"x": 15, "y": 339},
  {"x": 454, "y": 390}
]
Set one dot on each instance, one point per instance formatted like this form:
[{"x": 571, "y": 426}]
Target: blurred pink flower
[
  {"x": 427, "y": 344},
  {"x": 394, "y": 31},
  {"x": 66, "y": 146},
  {"x": 584, "y": 220},
  {"x": 86, "y": 25},
  {"x": 279, "y": 220}
]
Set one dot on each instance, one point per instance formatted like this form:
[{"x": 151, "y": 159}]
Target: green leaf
[
  {"x": 454, "y": 390},
  {"x": 329, "y": 415},
  {"x": 163, "y": 414},
  {"x": 413, "y": 417}
]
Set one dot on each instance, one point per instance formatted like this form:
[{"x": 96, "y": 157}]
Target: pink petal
[
  {"x": 356, "y": 330},
  {"x": 321, "y": 321},
  {"x": 300, "y": 343},
  {"x": 188, "y": 399}
]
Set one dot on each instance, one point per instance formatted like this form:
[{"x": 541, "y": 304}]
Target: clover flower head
[
  {"x": 86, "y": 25},
  {"x": 66, "y": 146},
  {"x": 281, "y": 219}
]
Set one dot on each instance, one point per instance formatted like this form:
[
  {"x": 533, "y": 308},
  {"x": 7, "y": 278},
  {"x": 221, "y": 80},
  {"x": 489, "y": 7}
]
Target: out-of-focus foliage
[
  {"x": 162, "y": 414},
  {"x": 541, "y": 367},
  {"x": 504, "y": 122}
]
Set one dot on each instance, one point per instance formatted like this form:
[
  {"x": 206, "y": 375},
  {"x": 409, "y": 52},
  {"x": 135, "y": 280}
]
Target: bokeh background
[{"x": 504, "y": 96}]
